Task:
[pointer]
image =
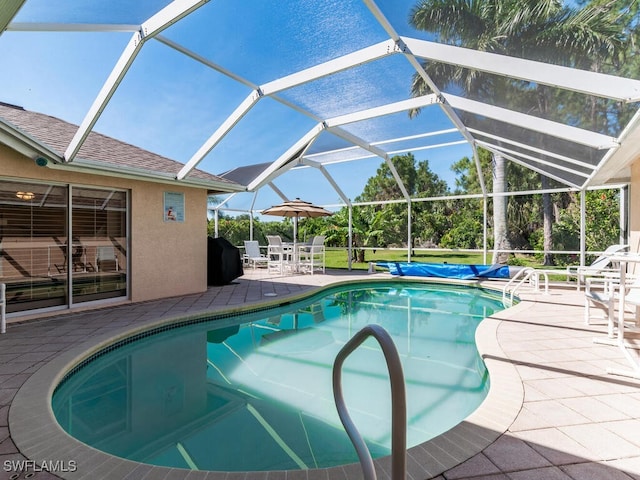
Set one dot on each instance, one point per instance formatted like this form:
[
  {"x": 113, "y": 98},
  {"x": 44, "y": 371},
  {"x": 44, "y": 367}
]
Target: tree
[
  {"x": 366, "y": 228},
  {"x": 482, "y": 26},
  {"x": 585, "y": 38},
  {"x": 536, "y": 29},
  {"x": 602, "y": 219},
  {"x": 429, "y": 219},
  {"x": 500, "y": 231}
]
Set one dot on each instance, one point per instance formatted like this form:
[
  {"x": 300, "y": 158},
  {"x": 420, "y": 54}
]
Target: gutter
[
  {"x": 93, "y": 167},
  {"x": 44, "y": 156}
]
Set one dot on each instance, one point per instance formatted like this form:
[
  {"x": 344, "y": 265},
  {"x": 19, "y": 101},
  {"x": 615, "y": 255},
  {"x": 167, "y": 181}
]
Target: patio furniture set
[
  {"x": 287, "y": 258},
  {"x": 616, "y": 291}
]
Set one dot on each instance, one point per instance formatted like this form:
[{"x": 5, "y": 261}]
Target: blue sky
[{"x": 170, "y": 104}]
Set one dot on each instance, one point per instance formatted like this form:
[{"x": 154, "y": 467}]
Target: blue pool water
[{"x": 253, "y": 392}]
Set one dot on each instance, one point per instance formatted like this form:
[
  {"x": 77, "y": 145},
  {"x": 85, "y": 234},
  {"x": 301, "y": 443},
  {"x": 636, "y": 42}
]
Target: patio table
[{"x": 293, "y": 250}]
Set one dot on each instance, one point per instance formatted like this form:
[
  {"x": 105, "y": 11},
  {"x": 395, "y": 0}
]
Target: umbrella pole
[{"x": 295, "y": 241}]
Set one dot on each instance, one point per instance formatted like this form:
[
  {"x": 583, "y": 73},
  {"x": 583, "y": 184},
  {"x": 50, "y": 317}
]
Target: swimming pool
[{"x": 253, "y": 392}]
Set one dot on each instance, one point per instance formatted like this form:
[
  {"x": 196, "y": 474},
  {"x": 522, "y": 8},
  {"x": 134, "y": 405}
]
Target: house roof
[{"x": 100, "y": 153}]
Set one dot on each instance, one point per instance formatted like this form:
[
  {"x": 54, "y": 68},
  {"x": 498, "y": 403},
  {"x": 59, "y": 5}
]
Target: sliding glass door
[
  {"x": 61, "y": 245},
  {"x": 98, "y": 244},
  {"x": 33, "y": 245}
]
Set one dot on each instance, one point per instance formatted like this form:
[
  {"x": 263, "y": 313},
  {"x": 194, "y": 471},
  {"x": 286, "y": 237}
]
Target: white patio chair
[
  {"x": 600, "y": 266},
  {"x": 278, "y": 255},
  {"x": 312, "y": 257},
  {"x": 604, "y": 293},
  {"x": 252, "y": 254},
  {"x": 600, "y": 292},
  {"x": 107, "y": 259}
]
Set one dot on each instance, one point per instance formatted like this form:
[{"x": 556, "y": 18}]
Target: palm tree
[
  {"x": 585, "y": 38},
  {"x": 533, "y": 28}
]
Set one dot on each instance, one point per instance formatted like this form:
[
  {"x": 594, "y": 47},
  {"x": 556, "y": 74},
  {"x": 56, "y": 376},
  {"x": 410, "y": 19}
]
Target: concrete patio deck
[{"x": 554, "y": 412}]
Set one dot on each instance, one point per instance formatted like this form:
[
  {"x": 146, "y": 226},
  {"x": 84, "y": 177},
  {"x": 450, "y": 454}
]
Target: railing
[
  {"x": 527, "y": 275},
  {"x": 3, "y": 308},
  {"x": 398, "y": 403}
]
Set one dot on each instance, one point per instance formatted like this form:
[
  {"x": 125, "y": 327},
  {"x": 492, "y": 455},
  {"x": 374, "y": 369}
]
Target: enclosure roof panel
[{"x": 259, "y": 88}]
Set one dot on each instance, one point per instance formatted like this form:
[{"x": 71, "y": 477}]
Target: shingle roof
[{"x": 56, "y": 134}]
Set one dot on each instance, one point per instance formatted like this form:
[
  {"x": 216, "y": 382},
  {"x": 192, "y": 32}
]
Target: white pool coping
[{"x": 40, "y": 438}]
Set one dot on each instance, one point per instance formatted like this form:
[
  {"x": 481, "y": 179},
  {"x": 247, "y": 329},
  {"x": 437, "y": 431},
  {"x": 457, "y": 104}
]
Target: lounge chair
[
  {"x": 600, "y": 266},
  {"x": 252, "y": 254}
]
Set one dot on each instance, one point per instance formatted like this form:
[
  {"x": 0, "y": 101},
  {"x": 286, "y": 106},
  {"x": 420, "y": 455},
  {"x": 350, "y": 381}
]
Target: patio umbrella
[{"x": 297, "y": 208}]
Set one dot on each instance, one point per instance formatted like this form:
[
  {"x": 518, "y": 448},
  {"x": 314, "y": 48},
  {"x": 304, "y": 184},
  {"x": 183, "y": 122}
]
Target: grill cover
[{"x": 224, "y": 263}]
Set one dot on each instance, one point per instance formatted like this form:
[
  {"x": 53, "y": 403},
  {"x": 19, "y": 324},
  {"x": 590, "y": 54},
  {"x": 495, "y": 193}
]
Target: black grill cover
[{"x": 224, "y": 263}]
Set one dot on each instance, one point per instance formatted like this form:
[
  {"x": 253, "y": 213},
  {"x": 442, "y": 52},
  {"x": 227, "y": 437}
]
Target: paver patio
[{"x": 571, "y": 419}]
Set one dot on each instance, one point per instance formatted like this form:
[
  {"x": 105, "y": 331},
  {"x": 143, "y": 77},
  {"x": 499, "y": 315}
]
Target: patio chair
[
  {"x": 600, "y": 266},
  {"x": 252, "y": 254},
  {"x": 604, "y": 293},
  {"x": 106, "y": 259},
  {"x": 78, "y": 258},
  {"x": 312, "y": 257},
  {"x": 600, "y": 292},
  {"x": 278, "y": 255}
]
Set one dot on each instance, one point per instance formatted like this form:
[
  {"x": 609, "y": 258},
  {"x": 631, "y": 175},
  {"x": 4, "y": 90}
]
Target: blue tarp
[{"x": 446, "y": 270}]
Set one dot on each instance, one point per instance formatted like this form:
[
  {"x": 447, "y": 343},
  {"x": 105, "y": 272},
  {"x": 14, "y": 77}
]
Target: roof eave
[
  {"x": 616, "y": 167},
  {"x": 25, "y": 144},
  {"x": 81, "y": 165}
]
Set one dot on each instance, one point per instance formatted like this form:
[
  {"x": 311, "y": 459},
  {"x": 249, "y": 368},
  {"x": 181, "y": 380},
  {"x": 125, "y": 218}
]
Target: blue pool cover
[{"x": 446, "y": 270}]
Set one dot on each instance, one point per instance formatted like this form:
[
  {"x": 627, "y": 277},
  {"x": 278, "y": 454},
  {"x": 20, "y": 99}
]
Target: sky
[{"x": 170, "y": 104}]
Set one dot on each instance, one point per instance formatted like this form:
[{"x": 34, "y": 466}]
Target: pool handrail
[
  {"x": 530, "y": 276},
  {"x": 398, "y": 403},
  {"x": 3, "y": 308}
]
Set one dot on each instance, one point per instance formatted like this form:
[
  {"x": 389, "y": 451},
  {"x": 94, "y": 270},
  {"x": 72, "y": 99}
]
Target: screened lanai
[{"x": 301, "y": 99}]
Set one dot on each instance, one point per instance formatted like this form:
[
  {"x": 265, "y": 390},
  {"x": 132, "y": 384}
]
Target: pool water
[{"x": 253, "y": 392}]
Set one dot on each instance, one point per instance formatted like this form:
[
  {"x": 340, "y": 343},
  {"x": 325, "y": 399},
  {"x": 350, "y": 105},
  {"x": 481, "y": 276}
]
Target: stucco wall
[
  {"x": 166, "y": 258},
  {"x": 634, "y": 214}
]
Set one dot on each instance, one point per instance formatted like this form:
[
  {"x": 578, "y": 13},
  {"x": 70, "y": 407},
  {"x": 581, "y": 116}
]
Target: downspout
[{"x": 624, "y": 215}]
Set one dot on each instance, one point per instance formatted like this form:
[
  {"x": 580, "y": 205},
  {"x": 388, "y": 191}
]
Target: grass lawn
[{"x": 337, "y": 258}]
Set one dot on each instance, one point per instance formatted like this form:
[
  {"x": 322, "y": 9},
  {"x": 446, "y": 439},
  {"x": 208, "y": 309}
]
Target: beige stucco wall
[
  {"x": 166, "y": 258},
  {"x": 634, "y": 202}
]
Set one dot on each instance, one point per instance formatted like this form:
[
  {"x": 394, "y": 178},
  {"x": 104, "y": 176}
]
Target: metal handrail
[
  {"x": 3, "y": 308},
  {"x": 398, "y": 403},
  {"x": 531, "y": 276}
]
